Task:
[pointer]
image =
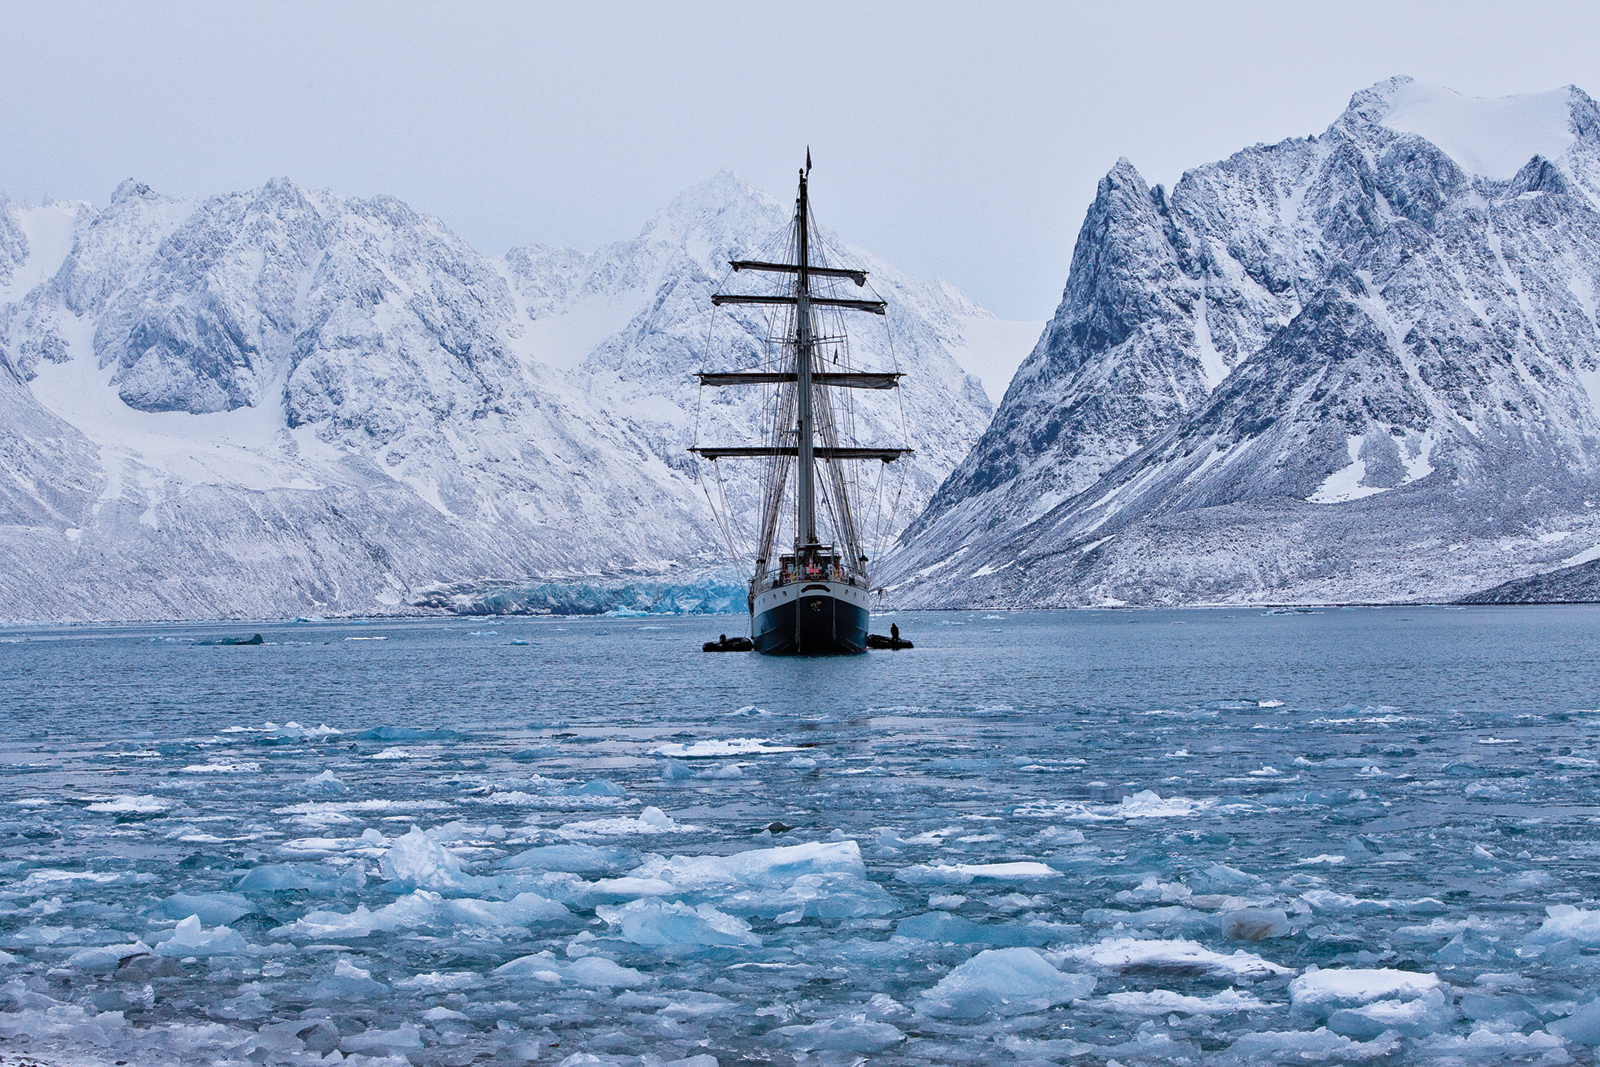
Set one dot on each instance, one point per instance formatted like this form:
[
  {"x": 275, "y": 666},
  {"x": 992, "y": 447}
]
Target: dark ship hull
[{"x": 818, "y": 619}]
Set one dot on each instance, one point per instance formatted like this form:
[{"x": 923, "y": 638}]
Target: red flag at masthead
[{"x": 808, "y": 159}]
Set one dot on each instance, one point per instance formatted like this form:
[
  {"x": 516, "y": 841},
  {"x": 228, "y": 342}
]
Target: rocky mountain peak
[
  {"x": 1386, "y": 332},
  {"x": 716, "y": 220}
]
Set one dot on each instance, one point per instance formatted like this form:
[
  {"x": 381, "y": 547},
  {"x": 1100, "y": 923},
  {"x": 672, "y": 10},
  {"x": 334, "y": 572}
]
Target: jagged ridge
[{"x": 1340, "y": 368}]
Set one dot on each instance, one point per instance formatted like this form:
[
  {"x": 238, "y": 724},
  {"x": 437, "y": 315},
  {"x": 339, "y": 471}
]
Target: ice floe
[
  {"x": 665, "y": 923},
  {"x": 967, "y": 873},
  {"x": 1003, "y": 981},
  {"x": 731, "y": 746},
  {"x": 1174, "y": 956}
]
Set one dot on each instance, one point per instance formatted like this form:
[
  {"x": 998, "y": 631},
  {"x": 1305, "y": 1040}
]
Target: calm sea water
[{"x": 1139, "y": 797}]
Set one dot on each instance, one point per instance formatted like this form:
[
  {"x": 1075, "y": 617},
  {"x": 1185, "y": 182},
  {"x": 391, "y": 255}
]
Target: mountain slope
[
  {"x": 285, "y": 401},
  {"x": 1339, "y": 368}
]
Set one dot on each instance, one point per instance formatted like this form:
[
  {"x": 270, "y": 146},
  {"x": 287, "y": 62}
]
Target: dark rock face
[
  {"x": 1339, "y": 368},
  {"x": 1578, "y": 584}
]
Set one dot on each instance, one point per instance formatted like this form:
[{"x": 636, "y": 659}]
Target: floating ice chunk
[
  {"x": 944, "y": 927},
  {"x": 823, "y": 879},
  {"x": 520, "y": 910},
  {"x": 1004, "y": 981},
  {"x": 1152, "y": 889},
  {"x": 828, "y": 895},
  {"x": 576, "y": 858},
  {"x": 1174, "y": 916},
  {"x": 1468, "y": 946},
  {"x": 757, "y": 866},
  {"x": 1518, "y": 1010},
  {"x": 1148, "y": 804},
  {"x": 1492, "y": 1045},
  {"x": 1304, "y": 1046},
  {"x": 614, "y": 890},
  {"x": 589, "y": 972},
  {"x": 40, "y": 1018},
  {"x": 662, "y": 923},
  {"x": 132, "y": 805},
  {"x": 442, "y": 1014},
  {"x": 842, "y": 1035},
  {"x": 273, "y": 734},
  {"x": 801, "y": 763},
  {"x": 1254, "y": 924},
  {"x": 1564, "y": 922},
  {"x": 679, "y": 1004},
  {"x": 1324, "y": 900},
  {"x": 597, "y": 972},
  {"x": 384, "y": 1042},
  {"x": 1530, "y": 879},
  {"x": 189, "y": 938},
  {"x": 1062, "y": 835},
  {"x": 323, "y": 785},
  {"x": 600, "y": 787},
  {"x": 1165, "y": 1001},
  {"x": 423, "y": 908},
  {"x": 676, "y": 770},
  {"x": 732, "y": 746},
  {"x": 883, "y": 1006},
  {"x": 348, "y": 982},
  {"x": 1327, "y": 990},
  {"x": 1220, "y": 878},
  {"x": 103, "y": 959},
  {"x": 1427, "y": 1014},
  {"x": 650, "y": 821},
  {"x": 419, "y": 860},
  {"x": 1176, "y": 956},
  {"x": 405, "y": 733},
  {"x": 966, "y": 873},
  {"x": 219, "y": 765},
  {"x": 278, "y": 877},
  {"x": 441, "y": 981},
  {"x": 216, "y": 909},
  {"x": 1582, "y": 1027}
]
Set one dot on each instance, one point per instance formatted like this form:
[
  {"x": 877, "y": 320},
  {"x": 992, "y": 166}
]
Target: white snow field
[{"x": 1137, "y": 838}]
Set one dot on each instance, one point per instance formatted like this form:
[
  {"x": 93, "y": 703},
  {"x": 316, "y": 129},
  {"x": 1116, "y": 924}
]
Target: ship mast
[
  {"x": 815, "y": 288},
  {"x": 807, "y": 489}
]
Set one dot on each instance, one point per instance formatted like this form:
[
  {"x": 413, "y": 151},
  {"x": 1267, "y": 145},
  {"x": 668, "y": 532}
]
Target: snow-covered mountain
[
  {"x": 1360, "y": 366},
  {"x": 284, "y": 401}
]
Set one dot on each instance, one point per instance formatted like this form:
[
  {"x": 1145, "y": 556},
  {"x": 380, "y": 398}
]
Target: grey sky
[{"x": 960, "y": 141}]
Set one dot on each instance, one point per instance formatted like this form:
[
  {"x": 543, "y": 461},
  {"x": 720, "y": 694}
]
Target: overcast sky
[{"x": 956, "y": 140}]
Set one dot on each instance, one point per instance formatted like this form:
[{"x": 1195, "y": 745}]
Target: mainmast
[{"x": 807, "y": 531}]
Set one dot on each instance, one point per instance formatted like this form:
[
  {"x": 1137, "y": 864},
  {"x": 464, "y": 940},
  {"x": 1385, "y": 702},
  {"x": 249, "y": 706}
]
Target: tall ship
[{"x": 810, "y": 592}]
